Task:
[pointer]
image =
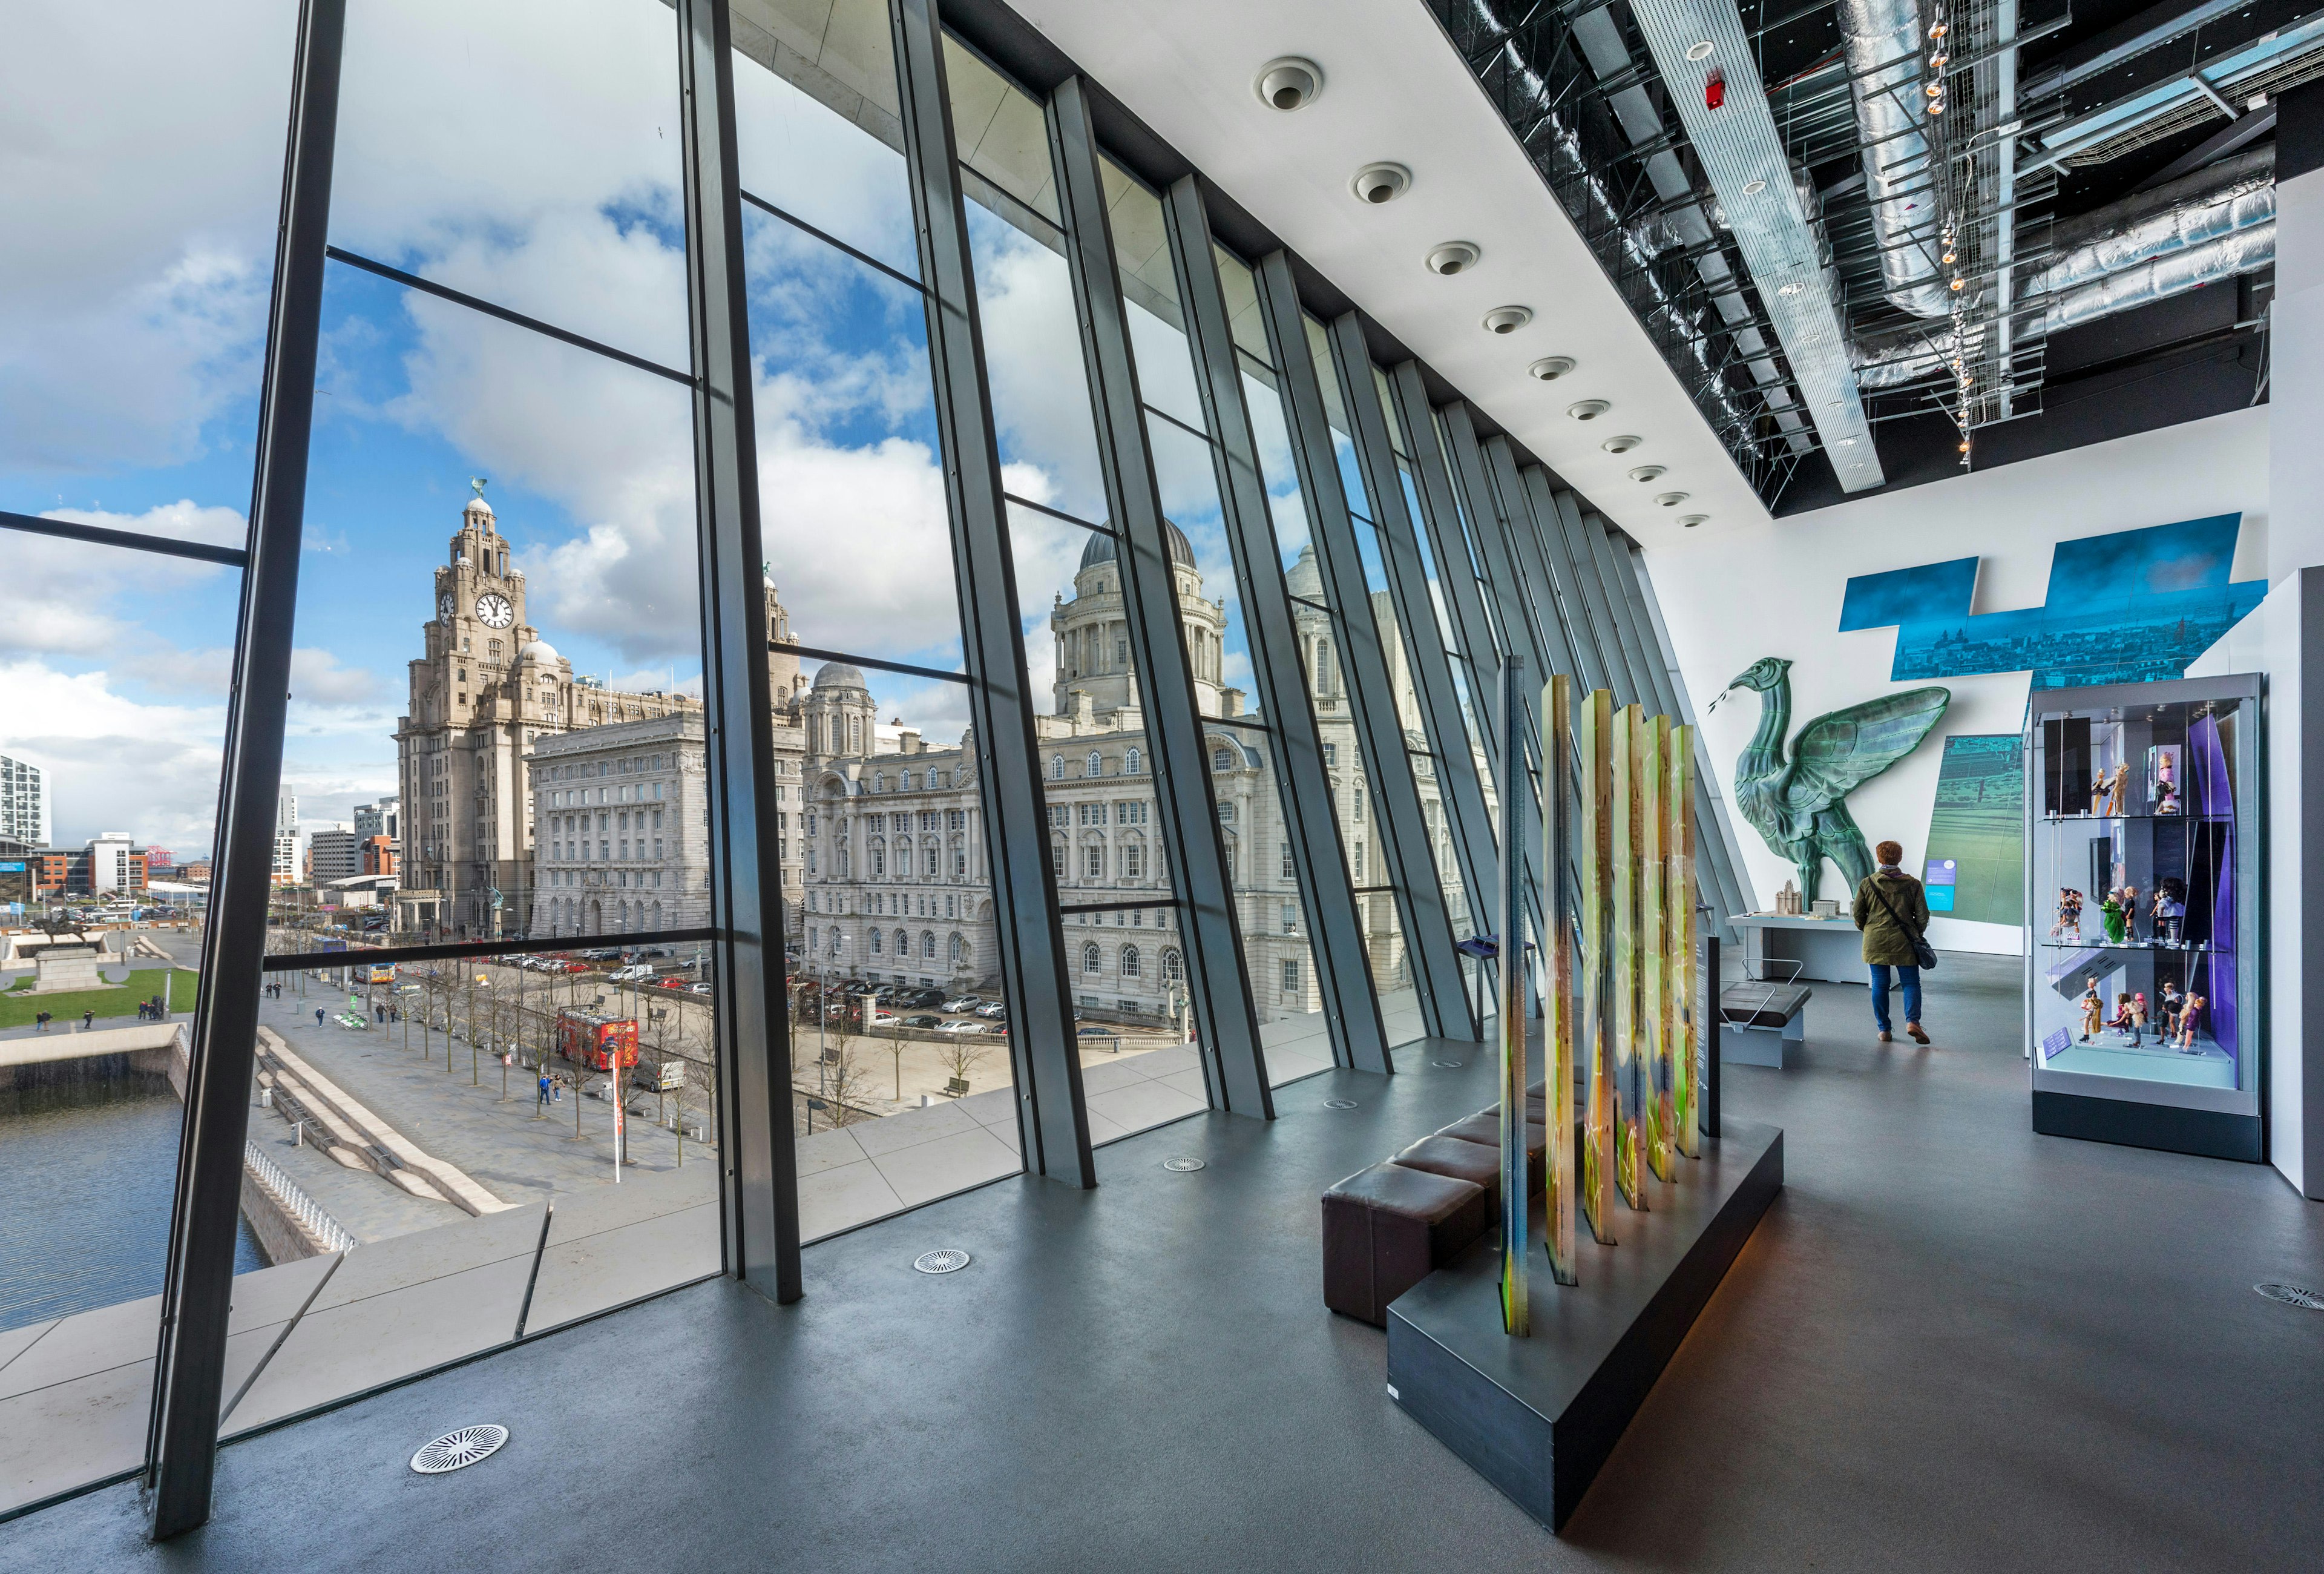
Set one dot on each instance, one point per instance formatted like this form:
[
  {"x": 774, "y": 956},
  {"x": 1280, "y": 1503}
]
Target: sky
[{"x": 526, "y": 153}]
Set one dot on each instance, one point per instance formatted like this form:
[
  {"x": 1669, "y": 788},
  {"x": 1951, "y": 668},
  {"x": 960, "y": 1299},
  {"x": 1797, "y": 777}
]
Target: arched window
[
  {"x": 879, "y": 781},
  {"x": 910, "y": 781},
  {"x": 927, "y": 945},
  {"x": 875, "y": 942},
  {"x": 1091, "y": 961},
  {"x": 1174, "y": 967},
  {"x": 1129, "y": 763},
  {"x": 1221, "y": 759},
  {"x": 903, "y": 945},
  {"x": 1129, "y": 961},
  {"x": 1056, "y": 767},
  {"x": 959, "y": 952},
  {"x": 1093, "y": 763}
]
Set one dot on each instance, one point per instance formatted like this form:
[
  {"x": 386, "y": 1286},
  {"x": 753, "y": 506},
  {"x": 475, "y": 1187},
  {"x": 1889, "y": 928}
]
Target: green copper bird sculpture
[{"x": 1799, "y": 804}]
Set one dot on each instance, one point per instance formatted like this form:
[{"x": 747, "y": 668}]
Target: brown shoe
[
  {"x": 1886, "y": 1038},
  {"x": 1915, "y": 1029}
]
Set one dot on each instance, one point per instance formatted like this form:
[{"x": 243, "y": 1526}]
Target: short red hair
[{"x": 1891, "y": 852}]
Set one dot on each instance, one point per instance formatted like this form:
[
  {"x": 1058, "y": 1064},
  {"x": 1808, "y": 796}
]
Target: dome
[
  {"x": 838, "y": 675},
  {"x": 1101, "y": 548},
  {"x": 540, "y": 651},
  {"x": 1303, "y": 578},
  {"x": 477, "y": 508}
]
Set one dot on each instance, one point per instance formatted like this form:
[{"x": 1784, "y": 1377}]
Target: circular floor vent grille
[
  {"x": 458, "y": 1451},
  {"x": 1339, "y": 1104},
  {"x": 1182, "y": 1166},
  {"x": 2293, "y": 1295},
  {"x": 943, "y": 1260}
]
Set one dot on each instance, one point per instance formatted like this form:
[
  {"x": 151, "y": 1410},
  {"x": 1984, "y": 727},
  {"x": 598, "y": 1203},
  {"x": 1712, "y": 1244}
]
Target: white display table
[{"x": 1827, "y": 949}]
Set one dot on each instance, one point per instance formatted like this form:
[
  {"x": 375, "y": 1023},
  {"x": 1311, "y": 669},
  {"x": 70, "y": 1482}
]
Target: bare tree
[{"x": 962, "y": 1053}]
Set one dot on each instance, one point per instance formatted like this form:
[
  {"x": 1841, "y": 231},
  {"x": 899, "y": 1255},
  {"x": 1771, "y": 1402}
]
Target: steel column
[
  {"x": 1540, "y": 595},
  {"x": 1186, "y": 808},
  {"x": 1492, "y": 536},
  {"x": 1399, "y": 828},
  {"x": 1583, "y": 597},
  {"x": 197, "y": 1285},
  {"x": 1335, "y": 939},
  {"x": 1415, "y": 610},
  {"x": 1053, "y": 1123},
  {"x": 760, "y": 1206}
]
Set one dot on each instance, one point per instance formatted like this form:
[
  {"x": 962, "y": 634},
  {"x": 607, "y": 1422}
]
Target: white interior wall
[{"x": 1732, "y": 594}]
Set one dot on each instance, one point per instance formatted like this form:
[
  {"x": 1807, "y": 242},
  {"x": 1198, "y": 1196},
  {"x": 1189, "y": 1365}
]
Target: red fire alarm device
[{"x": 1714, "y": 90}]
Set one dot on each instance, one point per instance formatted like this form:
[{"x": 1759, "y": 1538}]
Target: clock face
[
  {"x": 495, "y": 610},
  {"x": 444, "y": 606}
]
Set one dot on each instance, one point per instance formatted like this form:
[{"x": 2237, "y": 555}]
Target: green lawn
[{"x": 18, "y": 1006}]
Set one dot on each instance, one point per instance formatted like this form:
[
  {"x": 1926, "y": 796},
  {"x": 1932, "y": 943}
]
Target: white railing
[{"x": 295, "y": 1202}]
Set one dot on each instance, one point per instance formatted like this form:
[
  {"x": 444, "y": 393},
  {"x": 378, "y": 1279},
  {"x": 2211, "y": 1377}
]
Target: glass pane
[
  {"x": 1033, "y": 367},
  {"x": 523, "y": 152},
  {"x": 1166, "y": 368},
  {"x": 1003, "y": 139},
  {"x": 815, "y": 121},
  {"x": 1240, "y": 286},
  {"x": 1335, "y": 411},
  {"x": 110, "y": 747},
  {"x": 1126, "y": 966},
  {"x": 139, "y": 263},
  {"x": 535, "y": 768}
]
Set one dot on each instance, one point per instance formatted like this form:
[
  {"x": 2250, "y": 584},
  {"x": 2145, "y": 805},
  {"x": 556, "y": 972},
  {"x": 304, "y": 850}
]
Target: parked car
[
  {"x": 697, "y": 988},
  {"x": 960, "y": 1027},
  {"x": 963, "y": 1002},
  {"x": 603, "y": 954},
  {"x": 885, "y": 1019},
  {"x": 996, "y": 1009},
  {"x": 570, "y": 967},
  {"x": 636, "y": 973},
  {"x": 924, "y": 1021},
  {"x": 1096, "y": 1032},
  {"x": 998, "y": 1030}
]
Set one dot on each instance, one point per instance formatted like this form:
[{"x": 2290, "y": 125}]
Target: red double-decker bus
[{"x": 598, "y": 1042}]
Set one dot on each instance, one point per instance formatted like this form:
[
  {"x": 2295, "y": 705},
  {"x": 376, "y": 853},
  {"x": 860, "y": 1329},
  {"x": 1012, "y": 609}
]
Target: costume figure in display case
[{"x": 2148, "y": 795}]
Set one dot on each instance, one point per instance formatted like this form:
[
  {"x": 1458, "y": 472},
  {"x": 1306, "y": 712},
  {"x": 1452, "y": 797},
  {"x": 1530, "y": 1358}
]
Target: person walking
[
  {"x": 318, "y": 1016},
  {"x": 40, "y": 1020},
  {"x": 543, "y": 1101},
  {"x": 87, "y": 1020},
  {"x": 1893, "y": 911}
]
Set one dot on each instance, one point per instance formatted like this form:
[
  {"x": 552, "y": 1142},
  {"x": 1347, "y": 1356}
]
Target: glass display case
[{"x": 2142, "y": 902}]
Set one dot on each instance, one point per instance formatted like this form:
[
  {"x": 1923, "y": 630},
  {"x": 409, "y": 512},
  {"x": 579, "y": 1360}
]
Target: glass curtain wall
[
  {"x": 134, "y": 323},
  {"x": 499, "y": 628},
  {"x": 900, "y": 1024},
  {"x": 1124, "y": 956}
]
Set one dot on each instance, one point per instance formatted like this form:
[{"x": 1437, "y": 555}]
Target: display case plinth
[
  {"x": 1537, "y": 1416},
  {"x": 2206, "y": 1132}
]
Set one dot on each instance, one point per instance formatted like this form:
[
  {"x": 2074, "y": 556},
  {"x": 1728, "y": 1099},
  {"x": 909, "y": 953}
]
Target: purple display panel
[{"x": 2215, "y": 796}]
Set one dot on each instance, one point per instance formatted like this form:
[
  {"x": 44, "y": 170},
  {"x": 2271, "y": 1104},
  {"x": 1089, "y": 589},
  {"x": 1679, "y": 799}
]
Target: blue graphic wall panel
[{"x": 2130, "y": 606}]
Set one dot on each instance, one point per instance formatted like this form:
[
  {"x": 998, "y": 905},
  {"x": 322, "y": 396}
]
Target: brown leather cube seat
[
  {"x": 1450, "y": 1157},
  {"x": 1386, "y": 1228},
  {"x": 1485, "y": 1130}
]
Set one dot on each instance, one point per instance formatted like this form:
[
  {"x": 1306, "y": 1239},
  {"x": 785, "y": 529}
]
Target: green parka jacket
[{"x": 1884, "y": 941}]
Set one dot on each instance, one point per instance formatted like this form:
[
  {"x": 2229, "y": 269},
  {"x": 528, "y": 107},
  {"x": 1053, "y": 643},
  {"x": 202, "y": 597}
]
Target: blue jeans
[{"x": 1912, "y": 981}]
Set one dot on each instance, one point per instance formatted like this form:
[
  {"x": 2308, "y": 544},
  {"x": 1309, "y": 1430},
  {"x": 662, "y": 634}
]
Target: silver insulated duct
[{"x": 1884, "y": 42}]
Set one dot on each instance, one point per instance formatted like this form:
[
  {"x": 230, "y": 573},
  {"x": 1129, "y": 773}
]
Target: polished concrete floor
[{"x": 1951, "y": 1345}]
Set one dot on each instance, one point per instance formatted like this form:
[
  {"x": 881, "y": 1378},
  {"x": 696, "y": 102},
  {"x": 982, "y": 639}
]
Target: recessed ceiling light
[
  {"x": 1588, "y": 409},
  {"x": 1671, "y": 499},
  {"x": 1753, "y": 188},
  {"x": 1691, "y": 519},
  {"x": 1549, "y": 369},
  {"x": 1383, "y": 182},
  {"x": 1290, "y": 82},
  {"x": 1455, "y": 256},
  {"x": 1699, "y": 51},
  {"x": 1621, "y": 445},
  {"x": 1507, "y": 318},
  {"x": 1644, "y": 472}
]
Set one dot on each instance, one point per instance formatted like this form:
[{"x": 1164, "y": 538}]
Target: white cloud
[
  {"x": 79, "y": 581},
  {"x": 112, "y": 763},
  {"x": 317, "y": 679}
]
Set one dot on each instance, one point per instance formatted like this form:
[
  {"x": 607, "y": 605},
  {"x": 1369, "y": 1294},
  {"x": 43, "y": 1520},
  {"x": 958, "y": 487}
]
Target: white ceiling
[{"x": 1395, "y": 89}]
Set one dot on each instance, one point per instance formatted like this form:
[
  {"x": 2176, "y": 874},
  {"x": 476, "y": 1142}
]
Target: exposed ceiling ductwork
[{"x": 1883, "y": 43}]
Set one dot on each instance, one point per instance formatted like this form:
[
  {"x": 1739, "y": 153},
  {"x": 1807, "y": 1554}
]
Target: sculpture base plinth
[{"x": 1538, "y": 1416}]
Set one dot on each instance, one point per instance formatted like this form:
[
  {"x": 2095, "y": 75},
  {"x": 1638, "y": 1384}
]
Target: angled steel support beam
[
  {"x": 1460, "y": 793},
  {"x": 1052, "y": 1120},
  {"x": 1186, "y": 808},
  {"x": 1585, "y": 601},
  {"x": 198, "y": 1285},
  {"x": 1397, "y": 819},
  {"x": 1440, "y": 513},
  {"x": 1319, "y": 860},
  {"x": 760, "y": 1201},
  {"x": 1538, "y": 595}
]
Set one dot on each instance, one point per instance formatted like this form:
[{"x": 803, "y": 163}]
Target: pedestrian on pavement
[
  {"x": 379, "y": 1014},
  {"x": 543, "y": 1102},
  {"x": 40, "y": 1020},
  {"x": 318, "y": 1016},
  {"x": 87, "y": 1020},
  {"x": 393, "y": 1016}
]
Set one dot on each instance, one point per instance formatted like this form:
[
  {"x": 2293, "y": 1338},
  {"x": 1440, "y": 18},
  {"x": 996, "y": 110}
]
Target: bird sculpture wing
[{"x": 1836, "y": 754}]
